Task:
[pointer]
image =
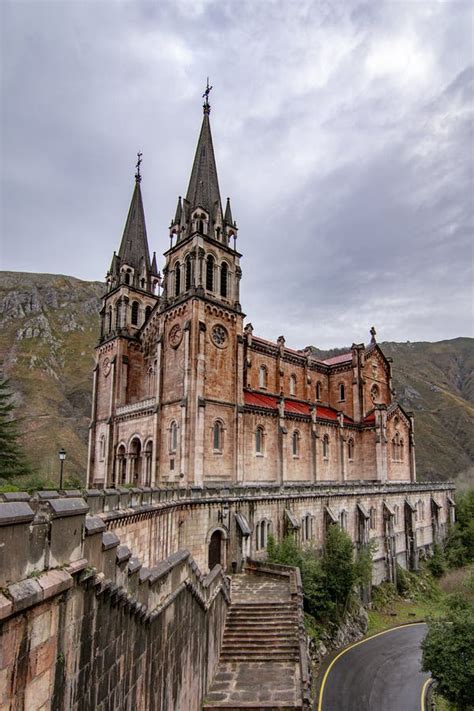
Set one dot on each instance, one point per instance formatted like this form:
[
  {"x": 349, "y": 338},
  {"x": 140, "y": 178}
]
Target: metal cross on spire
[
  {"x": 205, "y": 96},
  {"x": 138, "y": 176}
]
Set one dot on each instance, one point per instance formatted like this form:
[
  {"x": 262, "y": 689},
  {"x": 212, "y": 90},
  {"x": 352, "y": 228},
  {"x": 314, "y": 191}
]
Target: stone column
[
  {"x": 342, "y": 445},
  {"x": 92, "y": 430},
  {"x": 282, "y": 432},
  {"x": 314, "y": 443}
]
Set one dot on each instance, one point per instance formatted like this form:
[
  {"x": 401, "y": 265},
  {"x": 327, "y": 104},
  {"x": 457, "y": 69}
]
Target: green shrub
[{"x": 437, "y": 564}]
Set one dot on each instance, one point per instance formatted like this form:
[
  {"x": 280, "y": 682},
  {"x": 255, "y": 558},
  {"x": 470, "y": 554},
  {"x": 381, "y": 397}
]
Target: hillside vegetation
[{"x": 48, "y": 330}]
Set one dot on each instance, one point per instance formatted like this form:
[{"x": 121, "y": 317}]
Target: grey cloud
[{"x": 350, "y": 173}]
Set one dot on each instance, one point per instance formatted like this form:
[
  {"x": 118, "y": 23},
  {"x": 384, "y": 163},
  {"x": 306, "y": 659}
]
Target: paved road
[{"x": 380, "y": 674}]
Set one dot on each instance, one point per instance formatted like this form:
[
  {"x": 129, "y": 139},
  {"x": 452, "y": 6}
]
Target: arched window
[
  {"x": 188, "y": 272},
  {"x": 102, "y": 447},
  {"x": 177, "y": 278},
  {"x": 342, "y": 392},
  {"x": 373, "y": 518},
  {"x": 350, "y": 449},
  {"x": 396, "y": 510},
  {"x": 259, "y": 436},
  {"x": 262, "y": 377},
  {"x": 375, "y": 393},
  {"x": 135, "y": 306},
  {"x": 326, "y": 446},
  {"x": 343, "y": 520},
  {"x": 224, "y": 275},
  {"x": 307, "y": 527},
  {"x": 262, "y": 531},
  {"x": 142, "y": 283},
  {"x": 296, "y": 443},
  {"x": 127, "y": 278},
  {"x": 122, "y": 464},
  {"x": 397, "y": 448},
  {"x": 210, "y": 273},
  {"x": 118, "y": 308},
  {"x": 173, "y": 437},
  {"x": 147, "y": 313},
  {"x": 200, "y": 226},
  {"x": 318, "y": 390},
  {"x": 217, "y": 436},
  {"x": 292, "y": 384}
]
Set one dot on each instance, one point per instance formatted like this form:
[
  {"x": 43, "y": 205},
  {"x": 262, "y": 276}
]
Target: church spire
[
  {"x": 203, "y": 189},
  {"x": 134, "y": 250}
]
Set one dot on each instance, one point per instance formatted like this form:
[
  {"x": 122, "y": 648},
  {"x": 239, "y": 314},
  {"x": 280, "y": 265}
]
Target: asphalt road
[{"x": 380, "y": 674}]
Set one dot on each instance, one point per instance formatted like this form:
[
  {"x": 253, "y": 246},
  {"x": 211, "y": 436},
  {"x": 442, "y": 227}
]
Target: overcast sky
[{"x": 343, "y": 134}]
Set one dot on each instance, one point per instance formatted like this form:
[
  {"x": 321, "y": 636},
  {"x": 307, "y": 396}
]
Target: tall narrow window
[
  {"x": 188, "y": 273},
  {"x": 224, "y": 274},
  {"x": 217, "y": 436},
  {"x": 127, "y": 277},
  {"x": 110, "y": 319},
  {"x": 259, "y": 440},
  {"x": 343, "y": 520},
  {"x": 102, "y": 448},
  {"x": 342, "y": 392},
  {"x": 375, "y": 393},
  {"x": 135, "y": 313},
  {"x": 325, "y": 446},
  {"x": 147, "y": 313},
  {"x": 318, "y": 391},
  {"x": 350, "y": 449},
  {"x": 177, "y": 279},
  {"x": 396, "y": 509},
  {"x": 400, "y": 451},
  {"x": 118, "y": 307},
  {"x": 263, "y": 536},
  {"x": 210, "y": 273},
  {"x": 373, "y": 518},
  {"x": 173, "y": 436},
  {"x": 200, "y": 226},
  {"x": 296, "y": 443},
  {"x": 262, "y": 377},
  {"x": 292, "y": 385}
]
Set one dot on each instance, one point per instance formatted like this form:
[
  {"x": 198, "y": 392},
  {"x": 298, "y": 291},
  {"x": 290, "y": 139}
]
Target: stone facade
[{"x": 185, "y": 394}]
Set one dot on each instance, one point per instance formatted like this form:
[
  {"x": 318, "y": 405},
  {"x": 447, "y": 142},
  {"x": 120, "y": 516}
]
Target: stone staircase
[{"x": 259, "y": 666}]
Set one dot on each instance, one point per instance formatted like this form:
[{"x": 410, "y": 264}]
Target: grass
[{"x": 426, "y": 598}]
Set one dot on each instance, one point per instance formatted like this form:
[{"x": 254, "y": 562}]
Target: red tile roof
[
  {"x": 292, "y": 407},
  {"x": 370, "y": 418},
  {"x": 260, "y": 400},
  {"x": 338, "y": 359}
]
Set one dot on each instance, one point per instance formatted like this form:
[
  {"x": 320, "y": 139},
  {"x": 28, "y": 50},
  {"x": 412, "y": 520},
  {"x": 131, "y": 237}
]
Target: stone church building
[
  {"x": 185, "y": 392},
  {"x": 186, "y": 395}
]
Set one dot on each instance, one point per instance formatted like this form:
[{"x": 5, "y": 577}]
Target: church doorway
[{"x": 215, "y": 550}]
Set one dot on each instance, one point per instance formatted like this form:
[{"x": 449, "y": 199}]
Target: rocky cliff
[{"x": 48, "y": 330}]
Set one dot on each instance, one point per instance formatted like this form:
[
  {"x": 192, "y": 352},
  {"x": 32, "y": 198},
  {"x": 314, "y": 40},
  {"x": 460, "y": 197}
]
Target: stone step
[
  {"x": 272, "y": 623},
  {"x": 259, "y": 634}
]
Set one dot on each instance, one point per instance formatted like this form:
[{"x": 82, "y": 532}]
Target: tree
[
  {"x": 12, "y": 461},
  {"x": 338, "y": 567},
  {"x": 448, "y": 653}
]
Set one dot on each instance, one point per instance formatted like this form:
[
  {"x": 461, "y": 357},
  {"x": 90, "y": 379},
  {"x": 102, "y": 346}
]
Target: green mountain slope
[{"x": 48, "y": 330}]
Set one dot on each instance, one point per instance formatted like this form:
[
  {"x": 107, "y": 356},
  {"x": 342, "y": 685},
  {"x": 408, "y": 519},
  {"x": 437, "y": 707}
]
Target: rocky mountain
[{"x": 48, "y": 330}]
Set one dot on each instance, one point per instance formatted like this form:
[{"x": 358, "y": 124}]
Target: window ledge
[{"x": 259, "y": 454}]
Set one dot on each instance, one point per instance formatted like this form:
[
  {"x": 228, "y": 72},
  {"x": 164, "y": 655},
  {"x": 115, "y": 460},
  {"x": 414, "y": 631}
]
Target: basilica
[{"x": 185, "y": 391}]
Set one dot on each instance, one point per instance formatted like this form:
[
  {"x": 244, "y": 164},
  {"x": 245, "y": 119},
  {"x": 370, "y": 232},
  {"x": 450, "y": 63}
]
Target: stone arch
[
  {"x": 135, "y": 455},
  {"x": 121, "y": 463},
  {"x": 216, "y": 541}
]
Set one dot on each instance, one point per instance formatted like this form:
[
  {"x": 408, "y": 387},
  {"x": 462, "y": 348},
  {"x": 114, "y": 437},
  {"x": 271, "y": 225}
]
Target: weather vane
[
  {"x": 205, "y": 96},
  {"x": 139, "y": 162}
]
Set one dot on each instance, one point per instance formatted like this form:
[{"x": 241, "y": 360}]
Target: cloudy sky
[{"x": 342, "y": 131}]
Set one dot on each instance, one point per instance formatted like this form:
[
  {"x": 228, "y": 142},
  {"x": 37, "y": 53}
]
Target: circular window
[
  {"x": 107, "y": 366},
  {"x": 219, "y": 336},
  {"x": 176, "y": 335}
]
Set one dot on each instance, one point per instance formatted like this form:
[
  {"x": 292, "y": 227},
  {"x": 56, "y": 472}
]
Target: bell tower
[
  {"x": 202, "y": 257},
  {"x": 131, "y": 285},
  {"x": 202, "y": 344}
]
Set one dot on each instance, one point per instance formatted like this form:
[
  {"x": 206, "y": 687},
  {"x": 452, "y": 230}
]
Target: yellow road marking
[
  {"x": 351, "y": 646},
  {"x": 423, "y": 693}
]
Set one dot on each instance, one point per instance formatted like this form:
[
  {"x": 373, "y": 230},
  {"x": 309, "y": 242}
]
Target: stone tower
[{"x": 201, "y": 331}]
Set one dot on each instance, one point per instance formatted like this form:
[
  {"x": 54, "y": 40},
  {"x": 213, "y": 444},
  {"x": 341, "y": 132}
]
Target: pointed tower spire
[
  {"x": 179, "y": 212},
  {"x": 228, "y": 214},
  {"x": 203, "y": 189},
  {"x": 134, "y": 250}
]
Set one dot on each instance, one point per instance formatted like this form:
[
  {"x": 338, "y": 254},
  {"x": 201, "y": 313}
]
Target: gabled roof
[{"x": 134, "y": 245}]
